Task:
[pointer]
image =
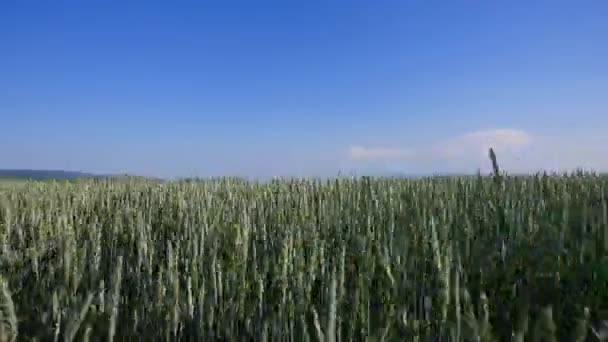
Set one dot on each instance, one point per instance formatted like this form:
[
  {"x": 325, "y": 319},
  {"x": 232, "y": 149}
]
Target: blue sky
[{"x": 303, "y": 88}]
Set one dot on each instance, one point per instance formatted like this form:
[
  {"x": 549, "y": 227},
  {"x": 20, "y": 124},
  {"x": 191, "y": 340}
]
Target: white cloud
[
  {"x": 517, "y": 151},
  {"x": 478, "y": 143}
]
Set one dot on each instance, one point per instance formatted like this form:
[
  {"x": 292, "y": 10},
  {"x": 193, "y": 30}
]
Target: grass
[
  {"x": 10, "y": 180},
  {"x": 485, "y": 258}
]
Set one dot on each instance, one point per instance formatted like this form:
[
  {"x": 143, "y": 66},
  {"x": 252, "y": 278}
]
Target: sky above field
[{"x": 303, "y": 88}]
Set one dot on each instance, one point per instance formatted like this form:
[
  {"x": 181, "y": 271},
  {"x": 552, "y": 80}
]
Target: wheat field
[{"x": 486, "y": 258}]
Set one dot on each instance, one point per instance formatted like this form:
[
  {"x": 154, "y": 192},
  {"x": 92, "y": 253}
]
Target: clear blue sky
[{"x": 262, "y": 88}]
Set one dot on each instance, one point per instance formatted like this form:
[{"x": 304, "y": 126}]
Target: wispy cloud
[
  {"x": 503, "y": 141},
  {"x": 517, "y": 150}
]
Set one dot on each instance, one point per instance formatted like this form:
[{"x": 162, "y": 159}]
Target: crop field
[{"x": 497, "y": 258}]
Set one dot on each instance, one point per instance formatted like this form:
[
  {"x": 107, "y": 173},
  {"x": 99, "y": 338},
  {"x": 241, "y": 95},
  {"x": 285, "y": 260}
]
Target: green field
[
  {"x": 476, "y": 258},
  {"x": 11, "y": 180}
]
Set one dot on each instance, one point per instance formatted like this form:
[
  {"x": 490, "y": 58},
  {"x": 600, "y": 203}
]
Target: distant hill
[
  {"x": 45, "y": 174},
  {"x": 59, "y": 175}
]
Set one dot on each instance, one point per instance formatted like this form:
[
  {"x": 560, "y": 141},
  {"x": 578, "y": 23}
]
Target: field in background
[
  {"x": 11, "y": 181},
  {"x": 339, "y": 260}
]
